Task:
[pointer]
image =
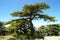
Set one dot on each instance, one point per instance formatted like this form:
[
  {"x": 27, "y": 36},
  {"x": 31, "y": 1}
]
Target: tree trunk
[
  {"x": 31, "y": 24},
  {"x": 31, "y": 27}
]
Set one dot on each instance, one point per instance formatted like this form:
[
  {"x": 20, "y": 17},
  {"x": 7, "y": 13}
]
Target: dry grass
[{"x": 6, "y": 37}]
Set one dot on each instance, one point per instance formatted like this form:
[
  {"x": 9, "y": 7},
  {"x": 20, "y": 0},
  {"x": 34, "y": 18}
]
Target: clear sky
[{"x": 9, "y": 6}]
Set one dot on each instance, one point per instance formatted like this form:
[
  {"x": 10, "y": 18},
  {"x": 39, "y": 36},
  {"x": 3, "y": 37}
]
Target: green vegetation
[
  {"x": 49, "y": 30},
  {"x": 24, "y": 26}
]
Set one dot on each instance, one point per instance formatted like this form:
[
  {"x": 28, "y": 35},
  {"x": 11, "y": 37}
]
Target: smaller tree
[
  {"x": 53, "y": 29},
  {"x": 2, "y": 31},
  {"x": 42, "y": 31},
  {"x": 49, "y": 30}
]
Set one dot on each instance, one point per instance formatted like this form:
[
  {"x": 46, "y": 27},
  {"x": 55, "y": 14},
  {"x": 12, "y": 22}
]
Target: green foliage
[
  {"x": 29, "y": 13},
  {"x": 48, "y": 30},
  {"x": 35, "y": 11},
  {"x": 54, "y": 29},
  {"x": 2, "y": 31}
]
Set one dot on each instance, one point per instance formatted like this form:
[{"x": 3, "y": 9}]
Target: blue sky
[{"x": 9, "y": 6}]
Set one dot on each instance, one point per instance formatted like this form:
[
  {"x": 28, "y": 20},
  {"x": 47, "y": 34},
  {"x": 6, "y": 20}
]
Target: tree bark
[
  {"x": 31, "y": 24},
  {"x": 31, "y": 27}
]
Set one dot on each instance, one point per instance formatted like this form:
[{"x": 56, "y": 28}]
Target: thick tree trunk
[
  {"x": 31, "y": 27},
  {"x": 31, "y": 24}
]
